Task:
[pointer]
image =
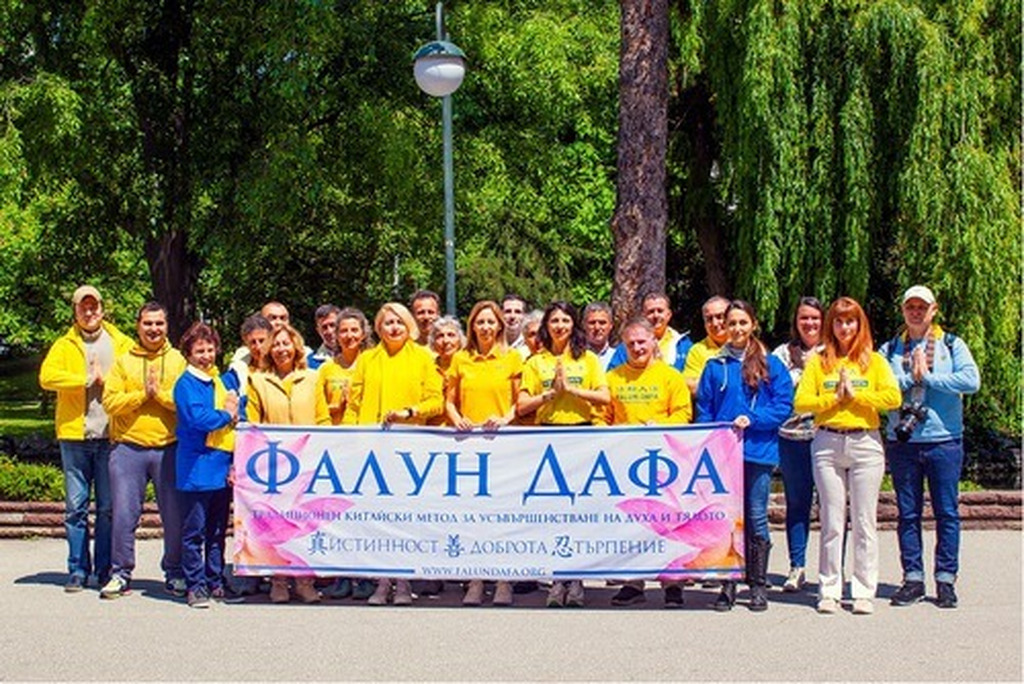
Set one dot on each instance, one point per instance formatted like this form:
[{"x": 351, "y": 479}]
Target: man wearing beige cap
[
  {"x": 75, "y": 368},
  {"x": 924, "y": 442}
]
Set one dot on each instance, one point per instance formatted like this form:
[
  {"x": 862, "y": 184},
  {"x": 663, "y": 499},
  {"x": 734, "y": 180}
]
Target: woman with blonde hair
[
  {"x": 481, "y": 392},
  {"x": 395, "y": 382},
  {"x": 846, "y": 386},
  {"x": 286, "y": 392}
]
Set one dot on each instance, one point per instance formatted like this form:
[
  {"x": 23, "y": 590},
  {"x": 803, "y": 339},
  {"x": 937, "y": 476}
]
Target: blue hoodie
[
  {"x": 200, "y": 468},
  {"x": 722, "y": 396}
]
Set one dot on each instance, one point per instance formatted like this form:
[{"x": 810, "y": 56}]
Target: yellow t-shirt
[
  {"x": 656, "y": 394},
  {"x": 874, "y": 390},
  {"x": 584, "y": 372},
  {"x": 334, "y": 381},
  {"x": 698, "y": 357},
  {"x": 485, "y": 383}
]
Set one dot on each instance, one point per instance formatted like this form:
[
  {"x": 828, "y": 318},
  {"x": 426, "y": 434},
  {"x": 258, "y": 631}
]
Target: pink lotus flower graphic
[
  {"x": 708, "y": 526},
  {"x": 265, "y": 522}
]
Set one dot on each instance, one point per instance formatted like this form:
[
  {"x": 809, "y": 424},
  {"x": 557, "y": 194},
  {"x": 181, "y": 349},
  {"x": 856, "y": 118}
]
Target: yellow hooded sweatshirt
[{"x": 135, "y": 418}]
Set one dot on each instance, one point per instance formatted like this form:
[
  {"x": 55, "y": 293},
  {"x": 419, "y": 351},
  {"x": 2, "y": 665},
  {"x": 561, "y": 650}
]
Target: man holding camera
[{"x": 924, "y": 441}]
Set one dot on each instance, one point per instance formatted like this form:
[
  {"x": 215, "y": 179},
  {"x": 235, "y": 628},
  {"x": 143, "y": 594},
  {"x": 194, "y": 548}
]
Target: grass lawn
[{"x": 21, "y": 410}]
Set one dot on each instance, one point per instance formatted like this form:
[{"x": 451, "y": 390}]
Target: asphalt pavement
[{"x": 46, "y": 634}]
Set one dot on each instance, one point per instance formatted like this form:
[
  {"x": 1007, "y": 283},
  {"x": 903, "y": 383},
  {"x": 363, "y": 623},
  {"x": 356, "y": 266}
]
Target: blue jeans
[
  {"x": 940, "y": 463},
  {"x": 798, "y": 484},
  {"x": 204, "y": 523},
  {"x": 85, "y": 465},
  {"x": 757, "y": 484}
]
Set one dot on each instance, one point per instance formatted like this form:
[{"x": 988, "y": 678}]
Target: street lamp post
[{"x": 439, "y": 68}]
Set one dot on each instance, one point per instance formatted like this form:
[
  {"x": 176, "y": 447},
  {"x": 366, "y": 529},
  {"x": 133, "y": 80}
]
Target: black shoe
[
  {"x": 758, "y": 598},
  {"x": 727, "y": 599},
  {"x": 947, "y": 595},
  {"x": 75, "y": 584},
  {"x": 527, "y": 587},
  {"x": 910, "y": 593},
  {"x": 427, "y": 587},
  {"x": 627, "y": 596},
  {"x": 673, "y": 597}
]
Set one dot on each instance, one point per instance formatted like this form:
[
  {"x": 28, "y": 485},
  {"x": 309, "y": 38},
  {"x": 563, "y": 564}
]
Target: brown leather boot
[
  {"x": 305, "y": 590},
  {"x": 279, "y": 589}
]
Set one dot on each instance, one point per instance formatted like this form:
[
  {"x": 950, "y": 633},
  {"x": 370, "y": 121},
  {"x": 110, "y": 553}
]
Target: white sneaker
[
  {"x": 574, "y": 597},
  {"x": 380, "y": 594},
  {"x": 828, "y": 606},
  {"x": 795, "y": 581},
  {"x": 863, "y": 606},
  {"x": 556, "y": 595}
]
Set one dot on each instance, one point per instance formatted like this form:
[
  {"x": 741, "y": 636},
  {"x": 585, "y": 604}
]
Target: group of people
[{"x": 134, "y": 411}]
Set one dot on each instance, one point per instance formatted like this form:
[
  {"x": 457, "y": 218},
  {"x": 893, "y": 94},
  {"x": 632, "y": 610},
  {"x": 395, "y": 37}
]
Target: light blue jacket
[{"x": 954, "y": 374}]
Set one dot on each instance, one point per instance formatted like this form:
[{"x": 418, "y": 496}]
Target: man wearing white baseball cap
[
  {"x": 75, "y": 368},
  {"x": 924, "y": 441}
]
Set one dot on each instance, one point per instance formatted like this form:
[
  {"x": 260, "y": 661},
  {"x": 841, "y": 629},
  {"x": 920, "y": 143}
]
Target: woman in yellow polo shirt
[
  {"x": 353, "y": 335},
  {"x": 285, "y": 392},
  {"x": 846, "y": 386},
  {"x": 483, "y": 383},
  {"x": 352, "y": 332},
  {"x": 395, "y": 382},
  {"x": 446, "y": 339},
  {"x": 565, "y": 385}
]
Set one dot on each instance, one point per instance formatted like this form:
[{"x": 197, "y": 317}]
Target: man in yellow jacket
[
  {"x": 139, "y": 397},
  {"x": 76, "y": 367}
]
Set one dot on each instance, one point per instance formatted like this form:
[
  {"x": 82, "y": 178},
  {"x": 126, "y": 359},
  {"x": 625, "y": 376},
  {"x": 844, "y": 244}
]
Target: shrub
[{"x": 30, "y": 481}]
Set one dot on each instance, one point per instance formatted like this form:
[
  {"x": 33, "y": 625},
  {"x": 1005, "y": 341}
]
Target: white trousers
[{"x": 848, "y": 466}]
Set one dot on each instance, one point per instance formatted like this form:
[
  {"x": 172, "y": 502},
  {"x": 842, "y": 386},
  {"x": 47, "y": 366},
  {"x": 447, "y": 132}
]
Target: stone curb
[{"x": 985, "y": 510}]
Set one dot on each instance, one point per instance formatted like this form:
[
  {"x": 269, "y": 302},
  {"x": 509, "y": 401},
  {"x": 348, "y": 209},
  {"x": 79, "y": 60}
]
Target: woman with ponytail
[{"x": 752, "y": 390}]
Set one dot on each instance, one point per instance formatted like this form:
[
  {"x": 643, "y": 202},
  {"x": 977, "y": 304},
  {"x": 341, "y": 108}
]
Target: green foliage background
[{"x": 860, "y": 147}]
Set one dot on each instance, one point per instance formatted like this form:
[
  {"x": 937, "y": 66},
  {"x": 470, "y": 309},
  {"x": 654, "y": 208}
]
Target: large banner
[{"x": 520, "y": 503}]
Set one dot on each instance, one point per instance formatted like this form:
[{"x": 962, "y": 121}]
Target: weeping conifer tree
[{"x": 863, "y": 148}]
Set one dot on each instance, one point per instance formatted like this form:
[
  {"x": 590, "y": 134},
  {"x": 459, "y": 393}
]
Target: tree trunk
[
  {"x": 172, "y": 271},
  {"x": 698, "y": 124},
  {"x": 641, "y": 211}
]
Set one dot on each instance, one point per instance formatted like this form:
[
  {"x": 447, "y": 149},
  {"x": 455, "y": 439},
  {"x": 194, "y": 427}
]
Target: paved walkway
[{"x": 48, "y": 635}]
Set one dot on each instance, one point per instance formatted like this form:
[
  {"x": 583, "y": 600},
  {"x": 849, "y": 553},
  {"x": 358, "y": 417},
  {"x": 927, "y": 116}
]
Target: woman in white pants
[{"x": 846, "y": 386}]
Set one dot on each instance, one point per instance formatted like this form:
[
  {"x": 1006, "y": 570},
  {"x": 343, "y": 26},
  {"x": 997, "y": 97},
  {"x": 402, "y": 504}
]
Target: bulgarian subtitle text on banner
[{"x": 661, "y": 502}]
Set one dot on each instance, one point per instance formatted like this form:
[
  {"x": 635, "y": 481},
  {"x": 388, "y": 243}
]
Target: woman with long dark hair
[
  {"x": 747, "y": 387},
  {"x": 564, "y": 384},
  {"x": 795, "y": 437},
  {"x": 846, "y": 386}
]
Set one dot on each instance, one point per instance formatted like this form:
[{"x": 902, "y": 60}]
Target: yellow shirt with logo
[
  {"x": 485, "y": 382},
  {"x": 335, "y": 381},
  {"x": 874, "y": 390},
  {"x": 655, "y": 394},
  {"x": 585, "y": 373}
]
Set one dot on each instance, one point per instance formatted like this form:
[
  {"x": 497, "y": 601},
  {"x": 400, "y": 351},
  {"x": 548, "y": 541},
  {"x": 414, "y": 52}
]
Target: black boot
[
  {"x": 727, "y": 598},
  {"x": 757, "y": 573}
]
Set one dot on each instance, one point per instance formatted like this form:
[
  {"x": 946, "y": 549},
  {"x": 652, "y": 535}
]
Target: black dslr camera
[{"x": 910, "y": 416}]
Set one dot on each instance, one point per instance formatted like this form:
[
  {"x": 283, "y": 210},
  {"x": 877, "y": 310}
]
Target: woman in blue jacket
[
  {"x": 751, "y": 389},
  {"x": 207, "y": 405}
]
